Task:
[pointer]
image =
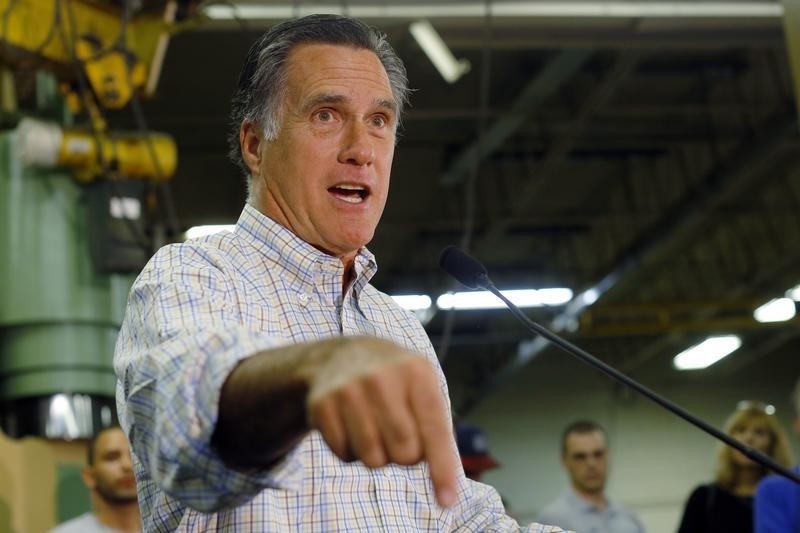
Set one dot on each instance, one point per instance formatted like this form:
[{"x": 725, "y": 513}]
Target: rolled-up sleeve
[{"x": 182, "y": 335}]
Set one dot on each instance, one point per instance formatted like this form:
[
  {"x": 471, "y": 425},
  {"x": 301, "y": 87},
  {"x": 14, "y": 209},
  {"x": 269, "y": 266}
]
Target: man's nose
[{"x": 357, "y": 147}]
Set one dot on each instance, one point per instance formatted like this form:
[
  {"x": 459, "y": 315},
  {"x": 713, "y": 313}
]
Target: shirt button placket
[{"x": 303, "y": 299}]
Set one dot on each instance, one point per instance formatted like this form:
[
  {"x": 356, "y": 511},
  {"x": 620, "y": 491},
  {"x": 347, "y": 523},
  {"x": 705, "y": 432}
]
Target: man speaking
[{"x": 263, "y": 383}]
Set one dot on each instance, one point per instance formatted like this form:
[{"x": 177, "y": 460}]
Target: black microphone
[{"x": 471, "y": 273}]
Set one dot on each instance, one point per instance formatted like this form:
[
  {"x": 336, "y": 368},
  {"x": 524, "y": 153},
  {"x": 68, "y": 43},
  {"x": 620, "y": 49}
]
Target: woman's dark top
[{"x": 712, "y": 509}]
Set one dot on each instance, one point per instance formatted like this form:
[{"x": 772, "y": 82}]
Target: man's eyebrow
[
  {"x": 335, "y": 98},
  {"x": 385, "y": 103},
  {"x": 324, "y": 98}
]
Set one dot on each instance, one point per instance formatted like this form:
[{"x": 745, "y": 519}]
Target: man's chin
[
  {"x": 593, "y": 488},
  {"x": 121, "y": 499},
  {"x": 118, "y": 497}
]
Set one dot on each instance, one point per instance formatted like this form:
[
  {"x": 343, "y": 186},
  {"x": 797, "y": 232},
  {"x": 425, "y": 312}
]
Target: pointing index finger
[{"x": 436, "y": 434}]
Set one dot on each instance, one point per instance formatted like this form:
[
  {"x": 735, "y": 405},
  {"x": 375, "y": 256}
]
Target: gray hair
[{"x": 262, "y": 82}]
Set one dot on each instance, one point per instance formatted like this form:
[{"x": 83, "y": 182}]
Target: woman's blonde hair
[{"x": 778, "y": 450}]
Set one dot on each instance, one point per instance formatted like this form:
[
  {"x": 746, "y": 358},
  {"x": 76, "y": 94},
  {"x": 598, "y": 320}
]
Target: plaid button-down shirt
[{"x": 198, "y": 309}]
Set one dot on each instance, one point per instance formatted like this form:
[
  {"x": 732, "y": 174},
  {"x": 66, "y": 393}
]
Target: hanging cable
[
  {"x": 69, "y": 42},
  {"x": 470, "y": 185}
]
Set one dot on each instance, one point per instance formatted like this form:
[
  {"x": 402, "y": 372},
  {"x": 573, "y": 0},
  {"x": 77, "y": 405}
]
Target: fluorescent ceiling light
[
  {"x": 520, "y": 298},
  {"x": 794, "y": 293},
  {"x": 202, "y": 231},
  {"x": 590, "y": 296},
  {"x": 707, "y": 352},
  {"x": 413, "y": 302},
  {"x": 775, "y": 310},
  {"x": 437, "y": 51},
  {"x": 478, "y": 9}
]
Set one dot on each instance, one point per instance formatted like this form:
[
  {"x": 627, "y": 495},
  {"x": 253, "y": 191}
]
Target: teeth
[
  {"x": 349, "y": 187},
  {"x": 352, "y": 199},
  {"x": 338, "y": 191}
]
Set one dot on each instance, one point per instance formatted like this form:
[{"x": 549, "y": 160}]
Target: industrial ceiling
[{"x": 654, "y": 159}]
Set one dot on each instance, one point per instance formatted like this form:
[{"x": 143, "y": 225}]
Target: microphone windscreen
[{"x": 465, "y": 268}]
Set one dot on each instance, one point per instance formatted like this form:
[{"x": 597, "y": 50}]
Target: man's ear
[
  {"x": 87, "y": 474},
  {"x": 250, "y": 144}
]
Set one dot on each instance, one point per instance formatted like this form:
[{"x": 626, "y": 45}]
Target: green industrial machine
[
  {"x": 59, "y": 316},
  {"x": 74, "y": 199}
]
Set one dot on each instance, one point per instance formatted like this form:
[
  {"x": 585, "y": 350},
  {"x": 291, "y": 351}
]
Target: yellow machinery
[{"x": 103, "y": 56}]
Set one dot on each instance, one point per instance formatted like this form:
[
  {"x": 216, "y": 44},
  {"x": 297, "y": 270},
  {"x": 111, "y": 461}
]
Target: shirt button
[{"x": 303, "y": 297}]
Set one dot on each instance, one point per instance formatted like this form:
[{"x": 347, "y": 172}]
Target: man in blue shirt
[{"x": 776, "y": 507}]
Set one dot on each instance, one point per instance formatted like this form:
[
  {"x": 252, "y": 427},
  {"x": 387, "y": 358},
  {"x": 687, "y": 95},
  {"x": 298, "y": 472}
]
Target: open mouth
[{"x": 354, "y": 194}]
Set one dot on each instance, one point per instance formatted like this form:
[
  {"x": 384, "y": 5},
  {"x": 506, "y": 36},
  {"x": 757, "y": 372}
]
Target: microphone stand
[{"x": 483, "y": 281}]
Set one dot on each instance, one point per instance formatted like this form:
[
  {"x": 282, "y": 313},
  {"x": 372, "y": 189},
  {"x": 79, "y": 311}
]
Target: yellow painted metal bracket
[
  {"x": 58, "y": 32},
  {"x": 97, "y": 155}
]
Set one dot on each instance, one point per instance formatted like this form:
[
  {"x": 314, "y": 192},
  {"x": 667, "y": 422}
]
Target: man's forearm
[
  {"x": 262, "y": 406},
  {"x": 371, "y": 400}
]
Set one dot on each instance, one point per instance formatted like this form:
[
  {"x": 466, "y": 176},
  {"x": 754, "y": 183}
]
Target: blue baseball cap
[{"x": 473, "y": 447}]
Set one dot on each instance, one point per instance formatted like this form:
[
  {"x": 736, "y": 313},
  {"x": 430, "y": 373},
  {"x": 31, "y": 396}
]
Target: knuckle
[
  {"x": 419, "y": 369},
  {"x": 372, "y": 455},
  {"x": 406, "y": 453},
  {"x": 376, "y": 384},
  {"x": 347, "y": 395}
]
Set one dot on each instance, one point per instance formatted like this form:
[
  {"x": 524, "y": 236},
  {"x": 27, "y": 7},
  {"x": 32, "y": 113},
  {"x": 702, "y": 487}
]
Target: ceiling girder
[
  {"x": 676, "y": 225},
  {"x": 536, "y": 92}
]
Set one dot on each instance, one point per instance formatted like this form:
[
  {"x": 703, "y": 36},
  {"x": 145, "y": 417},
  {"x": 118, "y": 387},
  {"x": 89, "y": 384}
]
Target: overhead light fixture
[
  {"x": 707, "y": 352},
  {"x": 521, "y": 298},
  {"x": 437, "y": 51},
  {"x": 775, "y": 310},
  {"x": 508, "y": 9},
  {"x": 201, "y": 231},
  {"x": 413, "y": 302},
  {"x": 794, "y": 293},
  {"x": 589, "y": 296}
]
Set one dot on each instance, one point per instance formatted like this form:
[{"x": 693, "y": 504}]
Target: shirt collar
[
  {"x": 279, "y": 244},
  {"x": 585, "y": 506}
]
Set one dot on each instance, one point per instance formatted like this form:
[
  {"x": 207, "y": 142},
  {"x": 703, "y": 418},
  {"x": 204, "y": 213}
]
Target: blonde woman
[{"x": 726, "y": 505}]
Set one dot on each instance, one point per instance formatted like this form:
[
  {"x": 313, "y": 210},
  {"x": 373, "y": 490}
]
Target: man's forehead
[
  {"x": 589, "y": 441},
  {"x": 110, "y": 439},
  {"x": 323, "y": 60}
]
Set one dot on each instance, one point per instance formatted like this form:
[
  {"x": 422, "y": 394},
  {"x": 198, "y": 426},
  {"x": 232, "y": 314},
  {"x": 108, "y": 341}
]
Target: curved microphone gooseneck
[{"x": 471, "y": 273}]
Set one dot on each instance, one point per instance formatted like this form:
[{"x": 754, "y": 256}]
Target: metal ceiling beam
[
  {"x": 543, "y": 85},
  {"x": 536, "y": 92},
  {"x": 656, "y": 347},
  {"x": 791, "y": 27},
  {"x": 754, "y": 353},
  {"x": 558, "y": 151},
  {"x": 684, "y": 219},
  {"x": 408, "y": 10},
  {"x": 577, "y": 35}
]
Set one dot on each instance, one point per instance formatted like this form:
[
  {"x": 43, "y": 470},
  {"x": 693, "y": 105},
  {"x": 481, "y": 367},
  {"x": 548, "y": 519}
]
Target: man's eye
[
  {"x": 379, "y": 121},
  {"x": 325, "y": 115}
]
